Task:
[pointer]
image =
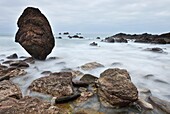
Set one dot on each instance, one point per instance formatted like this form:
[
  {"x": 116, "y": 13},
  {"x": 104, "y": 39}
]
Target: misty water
[{"x": 72, "y": 53}]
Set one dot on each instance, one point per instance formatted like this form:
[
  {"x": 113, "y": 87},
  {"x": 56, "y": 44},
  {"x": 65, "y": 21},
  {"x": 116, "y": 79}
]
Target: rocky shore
[{"x": 65, "y": 93}]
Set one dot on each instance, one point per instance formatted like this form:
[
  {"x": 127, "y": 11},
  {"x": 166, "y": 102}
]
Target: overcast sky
[{"x": 131, "y": 16}]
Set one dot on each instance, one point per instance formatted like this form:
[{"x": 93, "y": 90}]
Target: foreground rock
[
  {"x": 34, "y": 33},
  {"x": 13, "y": 56},
  {"x": 116, "y": 89},
  {"x": 28, "y": 105},
  {"x": 91, "y": 66},
  {"x": 162, "y": 104},
  {"x": 57, "y": 84},
  {"x": 9, "y": 89}
]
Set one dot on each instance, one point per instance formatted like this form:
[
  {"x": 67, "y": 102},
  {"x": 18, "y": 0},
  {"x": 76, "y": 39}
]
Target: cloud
[{"x": 92, "y": 15}]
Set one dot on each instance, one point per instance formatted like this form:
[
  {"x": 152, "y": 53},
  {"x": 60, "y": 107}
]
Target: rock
[
  {"x": 155, "y": 49},
  {"x": 162, "y": 104},
  {"x": 28, "y": 105},
  {"x": 98, "y": 38},
  {"x": 12, "y": 72},
  {"x": 91, "y": 66},
  {"x": 93, "y": 44},
  {"x": 115, "y": 88},
  {"x": 2, "y": 67},
  {"x": 75, "y": 36},
  {"x": 109, "y": 39},
  {"x": 65, "y": 33},
  {"x": 9, "y": 89},
  {"x": 56, "y": 84},
  {"x": 88, "y": 78},
  {"x": 161, "y": 81},
  {"x": 78, "y": 83},
  {"x": 19, "y": 64},
  {"x": 13, "y": 56},
  {"x": 46, "y": 72},
  {"x": 58, "y": 37},
  {"x": 67, "y": 98},
  {"x": 149, "y": 76},
  {"x": 144, "y": 104},
  {"x": 7, "y": 62},
  {"x": 121, "y": 40},
  {"x": 4, "y": 78},
  {"x": 35, "y": 34},
  {"x": 29, "y": 60}
]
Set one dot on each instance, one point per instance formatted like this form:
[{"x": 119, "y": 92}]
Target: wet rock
[
  {"x": 65, "y": 33},
  {"x": 88, "y": 78},
  {"x": 93, "y": 44},
  {"x": 144, "y": 104},
  {"x": 34, "y": 33},
  {"x": 2, "y": 67},
  {"x": 53, "y": 58},
  {"x": 12, "y": 72},
  {"x": 116, "y": 64},
  {"x": 110, "y": 40},
  {"x": 78, "y": 83},
  {"x": 56, "y": 84},
  {"x": 46, "y": 72},
  {"x": 7, "y": 62},
  {"x": 91, "y": 66},
  {"x": 4, "y": 78},
  {"x": 116, "y": 89},
  {"x": 162, "y": 104},
  {"x": 98, "y": 38},
  {"x": 161, "y": 81},
  {"x": 19, "y": 64},
  {"x": 28, "y": 105},
  {"x": 156, "y": 49},
  {"x": 65, "y": 99},
  {"x": 9, "y": 89},
  {"x": 29, "y": 60},
  {"x": 148, "y": 76},
  {"x": 121, "y": 40},
  {"x": 13, "y": 56}
]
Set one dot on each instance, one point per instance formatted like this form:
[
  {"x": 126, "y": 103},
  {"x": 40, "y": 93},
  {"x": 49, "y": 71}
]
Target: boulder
[
  {"x": 28, "y": 105},
  {"x": 116, "y": 89},
  {"x": 35, "y": 34},
  {"x": 91, "y": 66},
  {"x": 56, "y": 84},
  {"x": 9, "y": 89}
]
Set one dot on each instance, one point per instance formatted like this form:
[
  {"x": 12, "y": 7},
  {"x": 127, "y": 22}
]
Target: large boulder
[
  {"x": 116, "y": 89},
  {"x": 56, "y": 84},
  {"x": 28, "y": 105},
  {"x": 35, "y": 34}
]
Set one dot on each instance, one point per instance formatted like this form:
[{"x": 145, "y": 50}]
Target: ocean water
[{"x": 72, "y": 53}]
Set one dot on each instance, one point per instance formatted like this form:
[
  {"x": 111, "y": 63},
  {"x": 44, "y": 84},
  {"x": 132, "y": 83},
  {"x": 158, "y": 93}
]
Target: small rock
[
  {"x": 13, "y": 56},
  {"x": 156, "y": 49},
  {"x": 78, "y": 83},
  {"x": 144, "y": 104},
  {"x": 65, "y": 99},
  {"x": 29, "y": 60},
  {"x": 7, "y": 62},
  {"x": 46, "y": 72},
  {"x": 162, "y": 104},
  {"x": 91, "y": 66},
  {"x": 161, "y": 81},
  {"x": 88, "y": 78},
  {"x": 4, "y": 78},
  {"x": 93, "y": 44},
  {"x": 149, "y": 76},
  {"x": 19, "y": 64}
]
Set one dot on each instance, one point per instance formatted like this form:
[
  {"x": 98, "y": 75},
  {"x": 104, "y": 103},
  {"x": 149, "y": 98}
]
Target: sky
[{"x": 92, "y": 16}]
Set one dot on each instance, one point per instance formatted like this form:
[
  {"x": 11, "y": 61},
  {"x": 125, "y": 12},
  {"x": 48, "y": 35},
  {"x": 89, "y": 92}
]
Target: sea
[{"x": 147, "y": 69}]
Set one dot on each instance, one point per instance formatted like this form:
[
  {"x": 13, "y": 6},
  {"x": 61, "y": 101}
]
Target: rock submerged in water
[
  {"x": 116, "y": 89},
  {"x": 35, "y": 34}
]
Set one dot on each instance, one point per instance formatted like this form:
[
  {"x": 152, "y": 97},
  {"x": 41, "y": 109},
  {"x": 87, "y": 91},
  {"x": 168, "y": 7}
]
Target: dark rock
[
  {"x": 59, "y": 37},
  {"x": 162, "y": 104},
  {"x": 53, "y": 58},
  {"x": 149, "y": 76},
  {"x": 161, "y": 81},
  {"x": 4, "y": 78},
  {"x": 7, "y": 62},
  {"x": 29, "y": 60},
  {"x": 35, "y": 34},
  {"x": 88, "y": 78},
  {"x": 155, "y": 49},
  {"x": 78, "y": 83},
  {"x": 110, "y": 40},
  {"x": 67, "y": 98},
  {"x": 13, "y": 56},
  {"x": 19, "y": 64},
  {"x": 93, "y": 44},
  {"x": 75, "y": 36},
  {"x": 57, "y": 84},
  {"x": 116, "y": 88},
  {"x": 81, "y": 37},
  {"x": 12, "y": 72},
  {"x": 70, "y": 36},
  {"x": 91, "y": 66},
  {"x": 59, "y": 33},
  {"x": 9, "y": 89},
  {"x": 46, "y": 72},
  {"x": 98, "y": 38},
  {"x": 121, "y": 40},
  {"x": 23, "y": 57},
  {"x": 65, "y": 33},
  {"x": 28, "y": 105}
]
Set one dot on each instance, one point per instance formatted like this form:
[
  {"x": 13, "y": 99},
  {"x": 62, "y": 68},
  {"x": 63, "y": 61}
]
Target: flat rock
[
  {"x": 28, "y": 105},
  {"x": 56, "y": 84},
  {"x": 116, "y": 89},
  {"x": 9, "y": 89},
  {"x": 88, "y": 78},
  {"x": 12, "y": 72},
  {"x": 91, "y": 66},
  {"x": 34, "y": 33},
  {"x": 19, "y": 64},
  {"x": 162, "y": 104}
]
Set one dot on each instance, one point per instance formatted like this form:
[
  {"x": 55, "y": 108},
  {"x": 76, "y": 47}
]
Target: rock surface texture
[
  {"x": 116, "y": 88},
  {"x": 34, "y": 33}
]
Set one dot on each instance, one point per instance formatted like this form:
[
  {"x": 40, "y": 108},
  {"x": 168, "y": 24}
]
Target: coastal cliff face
[{"x": 34, "y": 33}]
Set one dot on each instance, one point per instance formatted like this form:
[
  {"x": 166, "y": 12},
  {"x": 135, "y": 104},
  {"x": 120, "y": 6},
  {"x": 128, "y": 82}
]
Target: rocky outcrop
[
  {"x": 9, "y": 89},
  {"x": 113, "y": 39},
  {"x": 34, "y": 33},
  {"x": 115, "y": 88},
  {"x": 28, "y": 105},
  {"x": 91, "y": 66},
  {"x": 56, "y": 84}
]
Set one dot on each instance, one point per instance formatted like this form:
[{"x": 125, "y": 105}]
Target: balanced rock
[
  {"x": 34, "y": 33},
  {"x": 116, "y": 88}
]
